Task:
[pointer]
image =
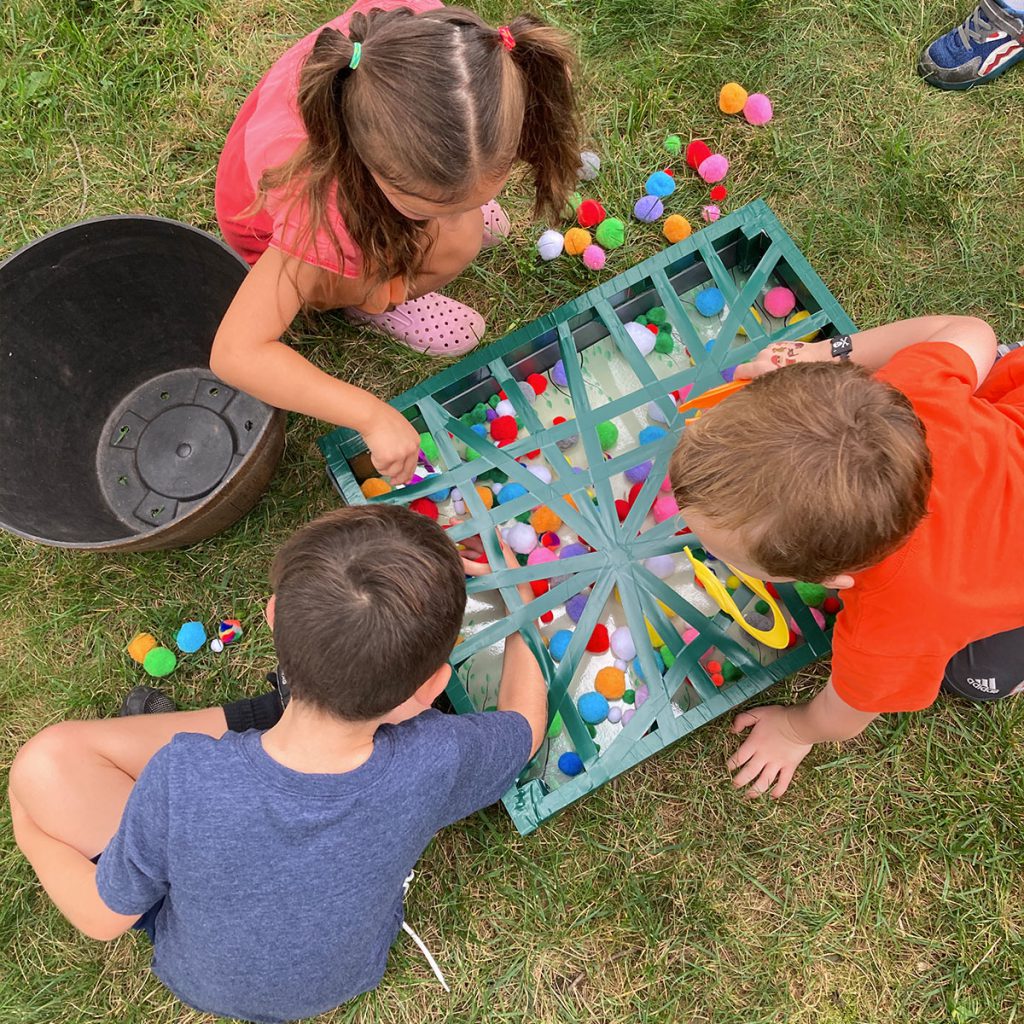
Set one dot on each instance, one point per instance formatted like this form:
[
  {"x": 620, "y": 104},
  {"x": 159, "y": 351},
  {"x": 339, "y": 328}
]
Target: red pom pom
[
  {"x": 832, "y": 606},
  {"x": 502, "y": 395},
  {"x": 718, "y": 679},
  {"x": 718, "y": 193},
  {"x": 634, "y": 491},
  {"x": 548, "y": 617},
  {"x": 504, "y": 429},
  {"x": 590, "y": 212},
  {"x": 537, "y": 382},
  {"x": 621, "y": 509},
  {"x": 550, "y": 540},
  {"x": 653, "y": 328},
  {"x": 714, "y": 667},
  {"x": 425, "y": 507},
  {"x": 539, "y": 587},
  {"x": 533, "y": 455},
  {"x": 557, "y": 420},
  {"x": 670, "y": 172},
  {"x": 598, "y": 642},
  {"x": 696, "y": 153},
  {"x": 770, "y": 587}
]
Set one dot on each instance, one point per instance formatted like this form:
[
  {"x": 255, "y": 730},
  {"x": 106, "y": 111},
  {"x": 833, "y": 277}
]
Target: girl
[{"x": 361, "y": 173}]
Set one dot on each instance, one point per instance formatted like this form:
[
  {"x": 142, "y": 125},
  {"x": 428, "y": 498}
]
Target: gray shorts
[{"x": 988, "y": 669}]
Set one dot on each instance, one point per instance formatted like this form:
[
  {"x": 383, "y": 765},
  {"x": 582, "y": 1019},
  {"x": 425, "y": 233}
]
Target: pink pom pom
[
  {"x": 758, "y": 108},
  {"x": 539, "y": 555},
  {"x": 593, "y": 257},
  {"x": 711, "y": 213},
  {"x": 713, "y": 168},
  {"x": 819, "y": 618},
  {"x": 779, "y": 302},
  {"x": 690, "y": 635},
  {"x": 666, "y": 485},
  {"x": 664, "y": 508}
]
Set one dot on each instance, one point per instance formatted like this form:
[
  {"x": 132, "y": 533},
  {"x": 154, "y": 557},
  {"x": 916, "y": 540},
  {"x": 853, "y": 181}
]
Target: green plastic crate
[{"x": 743, "y": 255}]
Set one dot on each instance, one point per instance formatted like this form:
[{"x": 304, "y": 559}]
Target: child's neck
[{"x": 311, "y": 741}]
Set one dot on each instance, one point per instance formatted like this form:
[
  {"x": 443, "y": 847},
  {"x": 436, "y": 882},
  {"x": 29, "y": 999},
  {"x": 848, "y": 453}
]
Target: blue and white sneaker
[{"x": 989, "y": 42}]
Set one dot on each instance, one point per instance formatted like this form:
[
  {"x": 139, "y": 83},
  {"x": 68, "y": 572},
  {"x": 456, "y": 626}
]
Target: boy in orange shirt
[{"x": 890, "y": 466}]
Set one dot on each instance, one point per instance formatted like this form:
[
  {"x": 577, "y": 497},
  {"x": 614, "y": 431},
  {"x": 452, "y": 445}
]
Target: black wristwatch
[{"x": 842, "y": 346}]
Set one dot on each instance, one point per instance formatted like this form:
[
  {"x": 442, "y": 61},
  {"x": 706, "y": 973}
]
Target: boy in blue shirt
[{"x": 268, "y": 866}]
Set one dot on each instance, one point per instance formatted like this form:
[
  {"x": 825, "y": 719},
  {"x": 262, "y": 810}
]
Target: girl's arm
[
  {"x": 248, "y": 354},
  {"x": 875, "y": 347}
]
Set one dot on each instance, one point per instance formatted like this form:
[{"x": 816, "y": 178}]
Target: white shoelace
[{"x": 419, "y": 942}]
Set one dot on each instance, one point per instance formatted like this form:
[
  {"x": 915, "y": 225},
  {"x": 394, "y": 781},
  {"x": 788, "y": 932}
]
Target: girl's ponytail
[{"x": 550, "y": 139}]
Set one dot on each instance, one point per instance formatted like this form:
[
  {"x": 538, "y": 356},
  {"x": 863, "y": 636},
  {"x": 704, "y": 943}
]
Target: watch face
[{"x": 842, "y": 347}]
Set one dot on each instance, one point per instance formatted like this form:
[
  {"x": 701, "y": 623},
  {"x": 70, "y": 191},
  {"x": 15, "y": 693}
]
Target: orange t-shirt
[{"x": 958, "y": 578}]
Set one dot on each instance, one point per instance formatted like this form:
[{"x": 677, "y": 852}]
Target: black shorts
[{"x": 988, "y": 669}]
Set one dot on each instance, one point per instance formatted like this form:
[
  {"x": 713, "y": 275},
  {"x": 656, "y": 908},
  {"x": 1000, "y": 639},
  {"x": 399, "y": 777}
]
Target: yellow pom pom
[
  {"x": 802, "y": 314},
  {"x": 486, "y": 496},
  {"x": 141, "y": 645},
  {"x": 374, "y": 487},
  {"x": 610, "y": 683},
  {"x": 653, "y": 634},
  {"x": 757, "y": 316},
  {"x": 576, "y": 240},
  {"x": 732, "y": 98},
  {"x": 676, "y": 228},
  {"x": 544, "y": 520},
  {"x": 732, "y": 583}
]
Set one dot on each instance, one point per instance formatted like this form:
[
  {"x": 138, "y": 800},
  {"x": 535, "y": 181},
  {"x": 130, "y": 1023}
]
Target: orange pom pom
[
  {"x": 576, "y": 240},
  {"x": 374, "y": 487},
  {"x": 610, "y": 683},
  {"x": 141, "y": 645},
  {"x": 544, "y": 520},
  {"x": 732, "y": 98},
  {"x": 676, "y": 228},
  {"x": 486, "y": 496}
]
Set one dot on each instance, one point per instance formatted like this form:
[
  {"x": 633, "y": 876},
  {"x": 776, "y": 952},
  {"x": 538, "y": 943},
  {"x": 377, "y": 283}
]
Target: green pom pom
[
  {"x": 610, "y": 233},
  {"x": 673, "y": 145},
  {"x": 478, "y": 414},
  {"x": 429, "y": 446},
  {"x": 607, "y": 434},
  {"x": 471, "y": 455},
  {"x": 812, "y": 594},
  {"x": 730, "y": 673},
  {"x": 658, "y": 315},
  {"x": 699, "y": 553},
  {"x": 629, "y": 696},
  {"x": 642, "y": 321},
  {"x": 573, "y": 204},
  {"x": 762, "y": 608},
  {"x": 592, "y": 730},
  {"x": 665, "y": 343},
  {"x": 493, "y": 401},
  {"x": 524, "y": 517},
  {"x": 555, "y": 728},
  {"x": 160, "y": 662},
  {"x": 667, "y": 657}
]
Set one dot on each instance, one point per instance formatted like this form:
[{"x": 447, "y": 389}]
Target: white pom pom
[
  {"x": 655, "y": 413},
  {"x": 216, "y": 645},
  {"x": 642, "y": 338},
  {"x": 542, "y": 473},
  {"x": 528, "y": 393},
  {"x": 505, "y": 408},
  {"x": 550, "y": 244},
  {"x": 590, "y": 165},
  {"x": 661, "y": 565},
  {"x": 521, "y": 538}
]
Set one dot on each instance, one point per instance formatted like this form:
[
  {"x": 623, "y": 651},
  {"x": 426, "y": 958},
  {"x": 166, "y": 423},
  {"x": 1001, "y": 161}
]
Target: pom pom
[
  {"x": 521, "y": 538},
  {"x": 812, "y": 594},
  {"x": 575, "y": 605},
  {"x": 594, "y": 257},
  {"x": 216, "y": 645},
  {"x": 191, "y": 637},
  {"x": 832, "y": 606},
  {"x": 441, "y": 495},
  {"x": 559, "y": 644},
  {"x": 570, "y": 763},
  {"x": 610, "y": 683},
  {"x": 550, "y": 244},
  {"x": 543, "y": 520},
  {"x": 714, "y": 168},
  {"x": 709, "y": 302},
  {"x": 673, "y": 145},
  {"x": 676, "y": 228},
  {"x": 615, "y": 715},
  {"x": 542, "y": 473},
  {"x": 731, "y": 98},
  {"x": 565, "y": 443},
  {"x": 140, "y": 646},
  {"x": 696, "y": 153},
  {"x": 621, "y": 509},
  {"x": 589, "y": 213},
  {"x": 590, "y": 165},
  {"x": 538, "y": 383},
  {"x": 654, "y": 412},
  {"x": 641, "y": 337},
  {"x": 593, "y": 708},
  {"x": 375, "y": 486},
  {"x": 229, "y": 630},
  {"x": 649, "y": 435},
  {"x": 540, "y": 555},
  {"x": 607, "y": 435},
  {"x": 425, "y": 507},
  {"x": 710, "y": 213},
  {"x": 551, "y": 540},
  {"x": 510, "y": 492},
  {"x": 718, "y": 193},
  {"x": 504, "y": 428},
  {"x": 758, "y": 108},
  {"x": 664, "y": 507},
  {"x": 642, "y": 693},
  {"x": 555, "y": 728},
  {"x": 648, "y": 209},
  {"x": 558, "y": 374},
  {"x": 610, "y": 233},
  {"x": 661, "y": 566},
  {"x": 622, "y": 644},
  {"x": 576, "y": 240},
  {"x": 797, "y": 317},
  {"x": 504, "y": 408},
  {"x": 486, "y": 496},
  {"x": 779, "y": 302},
  {"x": 598, "y": 642},
  {"x": 429, "y": 447},
  {"x": 639, "y": 473},
  {"x": 573, "y": 550},
  {"x": 660, "y": 184},
  {"x": 159, "y": 662}
]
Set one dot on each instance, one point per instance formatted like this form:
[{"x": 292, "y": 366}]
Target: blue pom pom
[
  {"x": 479, "y": 429},
  {"x": 728, "y": 373},
  {"x": 638, "y": 668},
  {"x": 660, "y": 184},
  {"x": 593, "y": 708},
  {"x": 652, "y": 433},
  {"x": 510, "y": 492},
  {"x": 441, "y": 495},
  {"x": 570, "y": 763},
  {"x": 710, "y": 302},
  {"x": 191, "y": 637},
  {"x": 560, "y": 644}
]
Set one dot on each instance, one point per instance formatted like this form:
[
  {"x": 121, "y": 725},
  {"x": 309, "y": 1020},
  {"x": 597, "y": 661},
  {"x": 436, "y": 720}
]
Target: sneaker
[
  {"x": 497, "y": 226},
  {"x": 146, "y": 700},
  {"x": 988, "y": 43},
  {"x": 433, "y": 324},
  {"x": 1007, "y": 348}
]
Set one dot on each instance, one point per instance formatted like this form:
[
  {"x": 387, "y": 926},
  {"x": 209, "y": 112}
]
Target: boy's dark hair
[
  {"x": 369, "y": 602},
  {"x": 824, "y": 468},
  {"x": 436, "y": 106}
]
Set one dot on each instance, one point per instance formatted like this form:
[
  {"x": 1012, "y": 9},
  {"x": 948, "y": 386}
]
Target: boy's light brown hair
[
  {"x": 821, "y": 467},
  {"x": 369, "y": 603}
]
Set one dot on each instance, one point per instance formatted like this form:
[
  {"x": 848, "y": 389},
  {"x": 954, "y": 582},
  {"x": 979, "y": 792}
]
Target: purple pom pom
[
  {"x": 575, "y": 605},
  {"x": 558, "y": 374},
  {"x": 639, "y": 473},
  {"x": 648, "y": 209}
]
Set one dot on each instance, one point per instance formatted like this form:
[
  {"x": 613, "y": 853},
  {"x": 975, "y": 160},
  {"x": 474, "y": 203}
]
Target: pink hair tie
[{"x": 505, "y": 35}]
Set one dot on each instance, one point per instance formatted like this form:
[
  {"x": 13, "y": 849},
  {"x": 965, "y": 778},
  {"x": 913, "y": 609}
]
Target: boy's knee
[{"x": 43, "y": 761}]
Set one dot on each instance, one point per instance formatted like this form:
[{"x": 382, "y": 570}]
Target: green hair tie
[{"x": 357, "y": 52}]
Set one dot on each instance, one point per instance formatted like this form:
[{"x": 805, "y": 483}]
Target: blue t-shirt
[{"x": 282, "y": 891}]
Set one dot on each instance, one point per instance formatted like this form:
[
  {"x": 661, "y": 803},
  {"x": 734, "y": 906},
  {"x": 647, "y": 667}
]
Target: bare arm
[
  {"x": 522, "y": 688},
  {"x": 827, "y": 718},
  {"x": 248, "y": 354}
]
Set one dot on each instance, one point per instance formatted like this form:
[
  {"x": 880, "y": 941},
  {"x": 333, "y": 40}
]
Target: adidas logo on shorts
[{"x": 985, "y": 685}]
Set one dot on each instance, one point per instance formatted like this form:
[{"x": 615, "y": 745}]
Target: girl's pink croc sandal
[
  {"x": 496, "y": 223},
  {"x": 433, "y": 324}
]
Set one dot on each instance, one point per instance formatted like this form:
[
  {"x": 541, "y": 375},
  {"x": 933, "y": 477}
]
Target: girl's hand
[
  {"x": 473, "y": 567},
  {"x": 394, "y": 444},
  {"x": 771, "y": 753},
  {"x": 783, "y": 353}
]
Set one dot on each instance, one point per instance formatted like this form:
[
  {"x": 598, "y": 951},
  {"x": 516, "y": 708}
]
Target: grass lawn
[{"x": 888, "y": 885}]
